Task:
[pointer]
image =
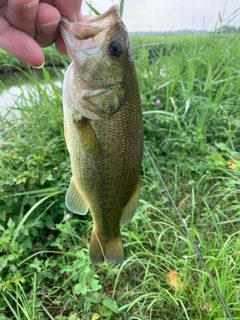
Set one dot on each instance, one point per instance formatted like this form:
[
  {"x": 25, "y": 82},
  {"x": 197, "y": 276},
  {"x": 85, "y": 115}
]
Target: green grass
[{"x": 193, "y": 135}]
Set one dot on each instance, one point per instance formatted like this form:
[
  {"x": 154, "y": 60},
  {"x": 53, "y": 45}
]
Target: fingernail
[
  {"x": 39, "y": 67},
  {"x": 29, "y": 9},
  {"x": 50, "y": 27}
]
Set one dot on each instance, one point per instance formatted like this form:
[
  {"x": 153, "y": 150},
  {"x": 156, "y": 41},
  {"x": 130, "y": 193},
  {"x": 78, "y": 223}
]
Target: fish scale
[{"x": 103, "y": 129}]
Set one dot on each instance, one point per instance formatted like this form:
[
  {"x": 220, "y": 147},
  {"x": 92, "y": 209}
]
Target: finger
[
  {"x": 48, "y": 19},
  {"x": 3, "y": 3},
  {"x": 20, "y": 45},
  {"x": 60, "y": 45},
  {"x": 22, "y": 15},
  {"x": 69, "y": 9}
]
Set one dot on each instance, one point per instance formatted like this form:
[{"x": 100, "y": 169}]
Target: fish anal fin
[
  {"x": 74, "y": 200},
  {"x": 110, "y": 250},
  {"x": 131, "y": 206}
]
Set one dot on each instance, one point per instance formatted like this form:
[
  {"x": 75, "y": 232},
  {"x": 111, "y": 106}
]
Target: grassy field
[{"x": 191, "y": 105}]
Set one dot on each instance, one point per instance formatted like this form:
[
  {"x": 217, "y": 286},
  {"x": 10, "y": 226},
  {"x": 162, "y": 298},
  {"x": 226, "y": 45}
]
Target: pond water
[{"x": 13, "y": 84}]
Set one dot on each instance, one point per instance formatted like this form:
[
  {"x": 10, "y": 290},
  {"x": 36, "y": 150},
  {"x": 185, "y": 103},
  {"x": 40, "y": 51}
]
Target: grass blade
[
  {"x": 190, "y": 237},
  {"x": 93, "y": 9},
  {"x": 121, "y": 8},
  {"x": 37, "y": 204}
]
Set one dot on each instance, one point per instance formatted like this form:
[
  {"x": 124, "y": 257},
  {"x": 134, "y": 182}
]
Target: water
[{"x": 13, "y": 84}]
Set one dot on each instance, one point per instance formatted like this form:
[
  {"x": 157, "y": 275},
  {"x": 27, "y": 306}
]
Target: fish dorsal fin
[
  {"x": 74, "y": 200},
  {"x": 131, "y": 206}
]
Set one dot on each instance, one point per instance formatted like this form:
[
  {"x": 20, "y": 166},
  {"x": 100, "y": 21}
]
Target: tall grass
[
  {"x": 193, "y": 135},
  {"x": 95, "y": 11}
]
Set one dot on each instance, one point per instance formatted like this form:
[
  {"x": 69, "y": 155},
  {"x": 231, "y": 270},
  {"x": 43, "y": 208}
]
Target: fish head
[{"x": 101, "y": 53}]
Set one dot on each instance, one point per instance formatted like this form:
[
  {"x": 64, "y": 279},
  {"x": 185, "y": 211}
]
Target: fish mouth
[{"x": 89, "y": 33}]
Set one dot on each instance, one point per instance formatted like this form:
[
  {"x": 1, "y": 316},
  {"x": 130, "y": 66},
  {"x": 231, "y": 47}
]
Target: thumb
[{"x": 20, "y": 45}]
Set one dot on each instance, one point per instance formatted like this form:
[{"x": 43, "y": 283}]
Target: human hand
[{"x": 28, "y": 25}]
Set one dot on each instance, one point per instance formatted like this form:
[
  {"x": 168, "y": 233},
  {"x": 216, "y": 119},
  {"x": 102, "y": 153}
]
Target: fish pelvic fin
[
  {"x": 74, "y": 200},
  {"x": 110, "y": 250},
  {"x": 131, "y": 206}
]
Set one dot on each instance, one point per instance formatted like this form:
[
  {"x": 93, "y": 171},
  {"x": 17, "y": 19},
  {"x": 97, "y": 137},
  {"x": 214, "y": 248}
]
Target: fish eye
[{"x": 116, "y": 49}]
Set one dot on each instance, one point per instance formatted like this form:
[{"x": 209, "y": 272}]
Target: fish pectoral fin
[
  {"x": 74, "y": 200},
  {"x": 90, "y": 143},
  {"x": 131, "y": 206},
  {"x": 66, "y": 133}
]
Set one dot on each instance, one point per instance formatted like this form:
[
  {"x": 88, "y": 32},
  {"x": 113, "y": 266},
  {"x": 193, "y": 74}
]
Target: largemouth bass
[{"x": 103, "y": 128}]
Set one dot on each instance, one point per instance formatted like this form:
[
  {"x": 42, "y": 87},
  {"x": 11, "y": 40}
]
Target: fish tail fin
[{"x": 110, "y": 250}]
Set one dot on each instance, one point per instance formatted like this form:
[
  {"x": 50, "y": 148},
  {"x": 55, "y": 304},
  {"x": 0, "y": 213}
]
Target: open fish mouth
[{"x": 91, "y": 32}]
